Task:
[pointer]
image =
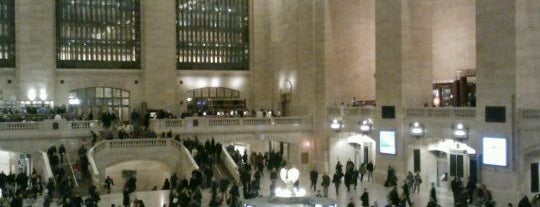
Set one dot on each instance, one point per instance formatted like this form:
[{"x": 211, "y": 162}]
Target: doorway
[
  {"x": 451, "y": 160},
  {"x": 96, "y": 100},
  {"x": 363, "y": 148}
]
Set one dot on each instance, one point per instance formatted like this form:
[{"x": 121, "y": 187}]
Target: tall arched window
[
  {"x": 215, "y": 99},
  {"x": 7, "y": 33},
  {"x": 212, "y": 35},
  {"x": 98, "y": 34},
  {"x": 101, "y": 99}
]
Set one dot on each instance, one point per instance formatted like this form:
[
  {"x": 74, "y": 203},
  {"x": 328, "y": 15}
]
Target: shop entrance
[
  {"x": 450, "y": 159},
  {"x": 364, "y": 149}
]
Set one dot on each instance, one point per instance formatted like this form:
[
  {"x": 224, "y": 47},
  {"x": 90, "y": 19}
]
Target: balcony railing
[
  {"x": 47, "y": 128},
  {"x": 530, "y": 114},
  {"x": 441, "y": 113},
  {"x": 205, "y": 124},
  {"x": 352, "y": 111}
]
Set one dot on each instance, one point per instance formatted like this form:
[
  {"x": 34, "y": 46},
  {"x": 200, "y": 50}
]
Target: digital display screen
[
  {"x": 494, "y": 150},
  {"x": 387, "y": 142}
]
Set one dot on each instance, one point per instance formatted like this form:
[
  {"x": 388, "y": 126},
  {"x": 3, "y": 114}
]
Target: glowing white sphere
[{"x": 293, "y": 174}]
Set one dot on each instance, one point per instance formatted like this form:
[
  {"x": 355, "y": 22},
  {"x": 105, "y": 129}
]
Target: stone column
[
  {"x": 158, "y": 51},
  {"x": 416, "y": 42},
  {"x": 496, "y": 76},
  {"x": 35, "y": 47},
  {"x": 388, "y": 75}
]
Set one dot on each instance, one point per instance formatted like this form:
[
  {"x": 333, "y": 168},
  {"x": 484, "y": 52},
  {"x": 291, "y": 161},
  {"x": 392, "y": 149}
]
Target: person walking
[
  {"x": 370, "y": 167},
  {"x": 337, "y": 181},
  {"x": 433, "y": 193},
  {"x": 417, "y": 182},
  {"x": 325, "y": 183},
  {"x": 314, "y": 176},
  {"x": 365, "y": 198},
  {"x": 108, "y": 183},
  {"x": 406, "y": 193},
  {"x": 362, "y": 171}
]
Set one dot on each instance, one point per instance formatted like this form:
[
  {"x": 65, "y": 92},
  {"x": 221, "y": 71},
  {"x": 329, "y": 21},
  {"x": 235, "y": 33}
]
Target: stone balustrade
[
  {"x": 367, "y": 111},
  {"x": 231, "y": 125},
  {"x": 444, "y": 113},
  {"x": 169, "y": 151},
  {"x": 46, "y": 129},
  {"x": 231, "y": 166},
  {"x": 530, "y": 114}
]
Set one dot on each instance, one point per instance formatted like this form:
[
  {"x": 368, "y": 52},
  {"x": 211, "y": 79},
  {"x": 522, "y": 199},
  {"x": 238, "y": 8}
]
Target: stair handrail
[
  {"x": 47, "y": 165},
  {"x": 231, "y": 166},
  {"x": 72, "y": 171},
  {"x": 90, "y": 155}
]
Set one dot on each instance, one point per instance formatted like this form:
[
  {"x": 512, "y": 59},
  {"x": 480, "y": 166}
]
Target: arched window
[
  {"x": 212, "y": 35},
  {"x": 7, "y": 33},
  {"x": 98, "y": 34},
  {"x": 101, "y": 99},
  {"x": 215, "y": 99}
]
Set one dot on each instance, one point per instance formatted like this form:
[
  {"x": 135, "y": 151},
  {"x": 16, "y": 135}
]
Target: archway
[
  {"x": 441, "y": 160},
  {"x": 355, "y": 147},
  {"x": 96, "y": 100},
  {"x": 364, "y": 148},
  {"x": 211, "y": 100}
]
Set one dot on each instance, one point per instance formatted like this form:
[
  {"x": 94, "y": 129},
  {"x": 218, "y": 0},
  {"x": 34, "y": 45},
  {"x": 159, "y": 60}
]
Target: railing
[
  {"x": 136, "y": 143},
  {"x": 223, "y": 122},
  {"x": 288, "y": 121},
  {"x": 81, "y": 125},
  {"x": 72, "y": 171},
  {"x": 47, "y": 166},
  {"x": 352, "y": 111},
  {"x": 206, "y": 124},
  {"x": 231, "y": 166},
  {"x": 173, "y": 123},
  {"x": 256, "y": 121},
  {"x": 530, "y": 114},
  {"x": 50, "y": 128},
  {"x": 19, "y": 126},
  {"x": 441, "y": 113},
  {"x": 108, "y": 148}
]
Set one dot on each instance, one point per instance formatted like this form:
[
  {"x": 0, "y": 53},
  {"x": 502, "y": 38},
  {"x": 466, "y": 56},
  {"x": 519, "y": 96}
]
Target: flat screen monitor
[
  {"x": 387, "y": 142},
  {"x": 495, "y": 151}
]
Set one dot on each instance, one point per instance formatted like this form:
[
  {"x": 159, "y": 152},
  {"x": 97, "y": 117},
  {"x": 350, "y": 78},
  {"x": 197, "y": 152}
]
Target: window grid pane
[
  {"x": 98, "y": 34},
  {"x": 7, "y": 33},
  {"x": 212, "y": 34}
]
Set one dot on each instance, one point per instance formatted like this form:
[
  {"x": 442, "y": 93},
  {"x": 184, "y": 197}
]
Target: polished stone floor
[{"x": 377, "y": 192}]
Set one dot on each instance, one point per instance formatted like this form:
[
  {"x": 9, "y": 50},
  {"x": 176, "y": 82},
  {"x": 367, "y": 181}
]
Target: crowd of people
[
  {"x": 15, "y": 188},
  {"x": 63, "y": 182}
]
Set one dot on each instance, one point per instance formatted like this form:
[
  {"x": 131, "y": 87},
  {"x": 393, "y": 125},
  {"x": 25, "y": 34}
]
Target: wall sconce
[
  {"x": 416, "y": 130},
  {"x": 459, "y": 131},
  {"x": 31, "y": 94},
  {"x": 43, "y": 94},
  {"x": 336, "y": 125},
  {"x": 365, "y": 127}
]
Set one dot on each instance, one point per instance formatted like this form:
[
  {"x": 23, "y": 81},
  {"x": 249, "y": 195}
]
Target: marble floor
[{"x": 377, "y": 193}]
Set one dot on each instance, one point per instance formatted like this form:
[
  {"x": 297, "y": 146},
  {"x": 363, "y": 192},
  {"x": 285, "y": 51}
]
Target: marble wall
[
  {"x": 350, "y": 51},
  {"x": 454, "y": 38}
]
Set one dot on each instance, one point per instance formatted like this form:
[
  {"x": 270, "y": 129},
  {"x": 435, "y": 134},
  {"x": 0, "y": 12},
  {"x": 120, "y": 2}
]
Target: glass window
[
  {"x": 98, "y": 34},
  {"x": 212, "y": 34},
  {"x": 7, "y": 33}
]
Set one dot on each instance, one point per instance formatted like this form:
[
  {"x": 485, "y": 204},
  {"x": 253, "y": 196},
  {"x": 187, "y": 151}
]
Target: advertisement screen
[
  {"x": 387, "y": 142},
  {"x": 494, "y": 151}
]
